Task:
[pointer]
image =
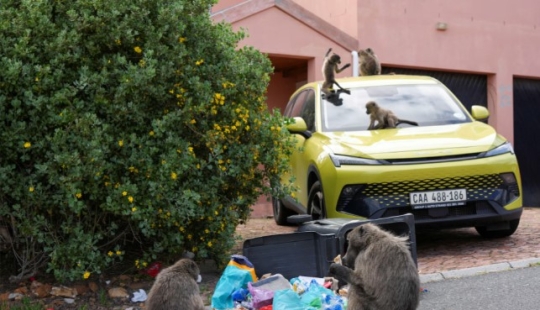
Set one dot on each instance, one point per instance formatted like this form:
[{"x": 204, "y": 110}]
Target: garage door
[
  {"x": 526, "y": 129},
  {"x": 471, "y": 89}
]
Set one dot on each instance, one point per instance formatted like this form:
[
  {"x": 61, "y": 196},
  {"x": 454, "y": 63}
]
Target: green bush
[{"x": 129, "y": 130}]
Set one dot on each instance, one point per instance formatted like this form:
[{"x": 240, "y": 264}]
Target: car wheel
[
  {"x": 280, "y": 212},
  {"x": 316, "y": 205},
  {"x": 501, "y": 233}
]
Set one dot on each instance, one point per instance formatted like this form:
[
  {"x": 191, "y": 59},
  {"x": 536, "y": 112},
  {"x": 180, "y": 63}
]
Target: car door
[{"x": 304, "y": 106}]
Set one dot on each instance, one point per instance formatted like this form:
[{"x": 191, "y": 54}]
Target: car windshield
[{"x": 428, "y": 105}]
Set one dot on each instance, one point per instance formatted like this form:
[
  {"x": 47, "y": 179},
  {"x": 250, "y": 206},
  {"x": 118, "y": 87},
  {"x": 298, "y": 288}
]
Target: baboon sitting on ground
[
  {"x": 176, "y": 287},
  {"x": 385, "y": 276}
]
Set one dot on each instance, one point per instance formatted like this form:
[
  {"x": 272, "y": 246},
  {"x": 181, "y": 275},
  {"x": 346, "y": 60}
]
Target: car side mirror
[
  {"x": 479, "y": 113},
  {"x": 299, "y": 126}
]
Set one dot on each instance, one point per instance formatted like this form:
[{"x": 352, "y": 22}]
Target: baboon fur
[
  {"x": 176, "y": 287},
  {"x": 368, "y": 62},
  {"x": 385, "y": 276}
]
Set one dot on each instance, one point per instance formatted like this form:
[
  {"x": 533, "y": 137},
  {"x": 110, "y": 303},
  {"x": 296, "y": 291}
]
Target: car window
[
  {"x": 294, "y": 108},
  {"x": 308, "y": 113},
  {"x": 428, "y": 105}
]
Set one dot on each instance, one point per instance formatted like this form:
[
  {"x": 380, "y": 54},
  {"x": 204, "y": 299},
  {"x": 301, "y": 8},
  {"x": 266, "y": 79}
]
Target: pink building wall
[
  {"x": 342, "y": 14},
  {"x": 498, "y": 38}
]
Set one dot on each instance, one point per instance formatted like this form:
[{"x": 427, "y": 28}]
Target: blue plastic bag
[
  {"x": 238, "y": 273},
  {"x": 287, "y": 300},
  {"x": 314, "y": 294}
]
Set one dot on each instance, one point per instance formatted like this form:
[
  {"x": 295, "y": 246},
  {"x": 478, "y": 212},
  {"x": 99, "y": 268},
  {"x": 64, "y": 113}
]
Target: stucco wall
[
  {"x": 500, "y": 38},
  {"x": 342, "y": 13}
]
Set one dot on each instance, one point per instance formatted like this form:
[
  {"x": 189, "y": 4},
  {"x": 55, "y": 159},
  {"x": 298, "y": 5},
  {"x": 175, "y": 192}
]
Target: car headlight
[
  {"x": 339, "y": 160},
  {"x": 499, "y": 150}
]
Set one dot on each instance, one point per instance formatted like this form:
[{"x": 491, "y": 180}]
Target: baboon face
[
  {"x": 369, "y": 107},
  {"x": 356, "y": 242},
  {"x": 335, "y": 58}
]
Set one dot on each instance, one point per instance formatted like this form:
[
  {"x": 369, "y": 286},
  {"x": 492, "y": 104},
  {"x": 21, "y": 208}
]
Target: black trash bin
[{"x": 312, "y": 248}]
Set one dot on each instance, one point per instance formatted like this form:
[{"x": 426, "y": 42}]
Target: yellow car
[{"x": 450, "y": 170}]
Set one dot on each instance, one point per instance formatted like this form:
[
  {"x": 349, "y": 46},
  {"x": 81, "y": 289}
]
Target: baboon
[
  {"x": 176, "y": 287},
  {"x": 368, "y": 62},
  {"x": 329, "y": 69},
  {"x": 385, "y": 276},
  {"x": 384, "y": 117}
]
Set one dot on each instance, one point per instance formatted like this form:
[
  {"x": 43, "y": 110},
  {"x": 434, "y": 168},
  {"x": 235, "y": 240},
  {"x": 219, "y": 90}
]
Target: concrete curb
[{"x": 467, "y": 272}]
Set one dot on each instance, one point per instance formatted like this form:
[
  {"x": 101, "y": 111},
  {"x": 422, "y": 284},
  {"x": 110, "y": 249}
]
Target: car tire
[
  {"x": 280, "y": 212},
  {"x": 316, "y": 205},
  {"x": 502, "y": 233}
]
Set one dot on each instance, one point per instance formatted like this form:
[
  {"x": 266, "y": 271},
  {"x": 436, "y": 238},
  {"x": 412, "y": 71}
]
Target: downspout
[{"x": 354, "y": 63}]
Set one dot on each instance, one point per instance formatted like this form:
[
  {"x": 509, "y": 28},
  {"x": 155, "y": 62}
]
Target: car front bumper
[{"x": 383, "y": 190}]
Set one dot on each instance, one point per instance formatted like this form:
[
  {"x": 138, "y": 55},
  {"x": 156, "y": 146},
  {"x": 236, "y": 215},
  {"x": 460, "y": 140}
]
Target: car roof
[{"x": 383, "y": 79}]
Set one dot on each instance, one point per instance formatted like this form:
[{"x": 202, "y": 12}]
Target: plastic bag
[
  {"x": 287, "y": 300},
  {"x": 314, "y": 295},
  {"x": 262, "y": 292},
  {"x": 238, "y": 273},
  {"x": 260, "y": 297}
]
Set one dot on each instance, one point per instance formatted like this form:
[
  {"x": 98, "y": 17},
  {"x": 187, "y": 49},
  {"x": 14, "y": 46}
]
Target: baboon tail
[{"x": 404, "y": 121}]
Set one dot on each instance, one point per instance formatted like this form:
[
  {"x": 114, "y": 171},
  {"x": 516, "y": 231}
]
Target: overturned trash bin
[{"x": 312, "y": 248}]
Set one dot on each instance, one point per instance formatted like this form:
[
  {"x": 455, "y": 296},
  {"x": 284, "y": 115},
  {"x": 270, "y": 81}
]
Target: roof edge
[{"x": 251, "y": 7}]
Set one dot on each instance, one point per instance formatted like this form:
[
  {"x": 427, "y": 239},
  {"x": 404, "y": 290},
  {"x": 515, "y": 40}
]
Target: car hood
[{"x": 413, "y": 142}]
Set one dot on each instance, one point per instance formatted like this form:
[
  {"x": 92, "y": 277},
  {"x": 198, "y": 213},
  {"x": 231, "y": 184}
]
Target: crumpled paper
[{"x": 139, "y": 296}]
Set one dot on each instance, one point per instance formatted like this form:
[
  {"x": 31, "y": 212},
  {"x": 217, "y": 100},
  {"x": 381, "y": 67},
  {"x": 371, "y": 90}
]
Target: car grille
[
  {"x": 396, "y": 194},
  {"x": 368, "y": 199}
]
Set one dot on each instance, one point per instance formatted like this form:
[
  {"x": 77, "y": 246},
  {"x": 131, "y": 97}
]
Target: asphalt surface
[{"x": 513, "y": 289}]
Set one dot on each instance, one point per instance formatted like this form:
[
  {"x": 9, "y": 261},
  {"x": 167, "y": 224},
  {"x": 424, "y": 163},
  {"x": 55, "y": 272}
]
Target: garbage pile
[{"x": 239, "y": 288}]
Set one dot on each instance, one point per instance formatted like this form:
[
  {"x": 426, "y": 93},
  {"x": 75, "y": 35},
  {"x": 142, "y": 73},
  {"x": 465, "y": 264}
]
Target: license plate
[{"x": 438, "y": 199}]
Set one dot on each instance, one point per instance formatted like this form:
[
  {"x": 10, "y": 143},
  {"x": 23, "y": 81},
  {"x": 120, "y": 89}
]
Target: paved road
[{"x": 517, "y": 289}]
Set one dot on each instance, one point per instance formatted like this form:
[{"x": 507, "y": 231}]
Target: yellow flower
[
  {"x": 110, "y": 253},
  {"x": 118, "y": 252},
  {"x": 193, "y": 121},
  {"x": 118, "y": 41},
  {"x": 182, "y": 39},
  {"x": 142, "y": 63},
  {"x": 173, "y": 176},
  {"x": 124, "y": 193},
  {"x": 27, "y": 145},
  {"x": 133, "y": 209},
  {"x": 189, "y": 237},
  {"x": 121, "y": 142},
  {"x": 79, "y": 195},
  {"x": 86, "y": 275},
  {"x": 130, "y": 199},
  {"x": 199, "y": 62},
  {"x": 209, "y": 244},
  {"x": 144, "y": 264},
  {"x": 31, "y": 189},
  {"x": 137, "y": 50},
  {"x": 151, "y": 133}
]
